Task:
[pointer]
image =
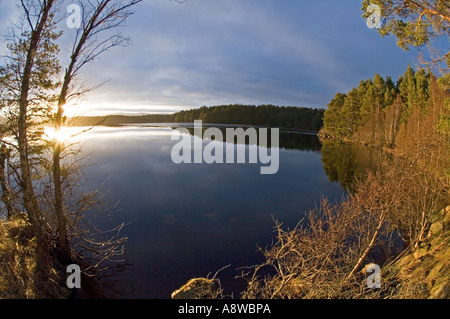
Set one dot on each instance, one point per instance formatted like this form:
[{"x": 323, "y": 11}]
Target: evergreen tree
[
  {"x": 390, "y": 93},
  {"x": 332, "y": 118},
  {"x": 373, "y": 112},
  {"x": 351, "y": 113},
  {"x": 379, "y": 88},
  {"x": 368, "y": 103},
  {"x": 414, "y": 23},
  {"x": 422, "y": 78},
  {"x": 407, "y": 91}
]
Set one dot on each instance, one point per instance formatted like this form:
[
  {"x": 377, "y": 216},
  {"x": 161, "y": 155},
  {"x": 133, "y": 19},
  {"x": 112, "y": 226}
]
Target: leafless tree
[
  {"x": 30, "y": 88},
  {"x": 98, "y": 18}
]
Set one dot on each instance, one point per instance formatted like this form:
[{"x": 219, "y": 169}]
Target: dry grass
[{"x": 18, "y": 263}]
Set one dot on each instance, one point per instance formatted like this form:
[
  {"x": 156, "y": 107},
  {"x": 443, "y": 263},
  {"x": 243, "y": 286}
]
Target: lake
[{"x": 190, "y": 220}]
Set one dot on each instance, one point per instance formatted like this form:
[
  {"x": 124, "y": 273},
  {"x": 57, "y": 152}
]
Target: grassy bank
[{"x": 18, "y": 263}]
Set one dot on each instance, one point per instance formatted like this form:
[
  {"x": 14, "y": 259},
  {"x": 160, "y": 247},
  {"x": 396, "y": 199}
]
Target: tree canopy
[
  {"x": 414, "y": 23},
  {"x": 375, "y": 109},
  {"x": 300, "y": 118}
]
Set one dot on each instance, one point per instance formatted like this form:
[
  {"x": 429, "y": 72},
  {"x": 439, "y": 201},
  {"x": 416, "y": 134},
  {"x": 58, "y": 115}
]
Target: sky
[{"x": 212, "y": 52}]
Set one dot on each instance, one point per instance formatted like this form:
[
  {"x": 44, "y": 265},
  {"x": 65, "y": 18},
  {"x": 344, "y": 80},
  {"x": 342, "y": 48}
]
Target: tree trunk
[
  {"x": 63, "y": 241},
  {"x": 29, "y": 198},
  {"x": 6, "y": 192}
]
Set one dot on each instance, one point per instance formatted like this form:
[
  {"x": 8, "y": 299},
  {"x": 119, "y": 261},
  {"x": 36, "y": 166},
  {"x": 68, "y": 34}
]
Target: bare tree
[
  {"x": 30, "y": 88},
  {"x": 97, "y": 19},
  {"x": 24, "y": 82}
]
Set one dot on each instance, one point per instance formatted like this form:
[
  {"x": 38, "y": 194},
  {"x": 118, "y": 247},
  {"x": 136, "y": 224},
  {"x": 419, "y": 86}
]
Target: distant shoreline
[
  {"x": 295, "y": 119},
  {"x": 130, "y": 120}
]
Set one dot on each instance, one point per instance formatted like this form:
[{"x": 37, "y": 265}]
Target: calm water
[{"x": 189, "y": 220}]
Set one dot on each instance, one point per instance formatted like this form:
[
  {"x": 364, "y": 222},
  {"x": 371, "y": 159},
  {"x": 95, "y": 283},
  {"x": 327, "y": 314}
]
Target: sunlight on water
[{"x": 123, "y": 132}]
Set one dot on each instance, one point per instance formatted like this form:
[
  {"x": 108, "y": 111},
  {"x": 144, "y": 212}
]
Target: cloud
[
  {"x": 222, "y": 52},
  {"x": 8, "y": 11},
  {"x": 256, "y": 51}
]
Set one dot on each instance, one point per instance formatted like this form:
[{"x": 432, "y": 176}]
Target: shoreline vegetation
[{"x": 396, "y": 216}]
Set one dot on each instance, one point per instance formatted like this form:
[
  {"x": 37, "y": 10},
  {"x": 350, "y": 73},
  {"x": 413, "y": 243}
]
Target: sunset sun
[{"x": 57, "y": 135}]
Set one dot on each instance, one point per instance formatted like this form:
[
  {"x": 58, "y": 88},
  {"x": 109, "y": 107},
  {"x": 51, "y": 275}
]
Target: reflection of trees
[
  {"x": 346, "y": 163},
  {"x": 339, "y": 164},
  {"x": 289, "y": 140},
  {"x": 342, "y": 162}
]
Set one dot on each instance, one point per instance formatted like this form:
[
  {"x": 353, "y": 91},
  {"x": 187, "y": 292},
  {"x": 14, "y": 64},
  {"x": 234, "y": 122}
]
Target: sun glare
[{"x": 55, "y": 135}]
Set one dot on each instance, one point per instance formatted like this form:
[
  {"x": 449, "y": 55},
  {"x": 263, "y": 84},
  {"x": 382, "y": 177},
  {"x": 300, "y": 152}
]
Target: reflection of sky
[{"x": 191, "y": 219}]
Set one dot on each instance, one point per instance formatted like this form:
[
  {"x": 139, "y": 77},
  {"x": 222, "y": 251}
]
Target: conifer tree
[
  {"x": 332, "y": 117},
  {"x": 414, "y": 23}
]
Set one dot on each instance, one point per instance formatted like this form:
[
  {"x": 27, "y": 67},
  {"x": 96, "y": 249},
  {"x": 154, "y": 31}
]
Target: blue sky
[{"x": 209, "y": 52}]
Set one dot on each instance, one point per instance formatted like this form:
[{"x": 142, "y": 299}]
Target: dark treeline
[
  {"x": 374, "y": 112},
  {"x": 298, "y": 118}
]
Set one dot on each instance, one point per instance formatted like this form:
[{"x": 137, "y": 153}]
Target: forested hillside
[{"x": 374, "y": 112}]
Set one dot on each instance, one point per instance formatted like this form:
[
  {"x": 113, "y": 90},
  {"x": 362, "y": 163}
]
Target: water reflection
[
  {"x": 347, "y": 163},
  {"x": 289, "y": 140},
  {"x": 185, "y": 221}
]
